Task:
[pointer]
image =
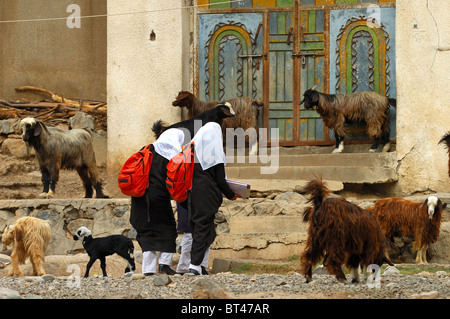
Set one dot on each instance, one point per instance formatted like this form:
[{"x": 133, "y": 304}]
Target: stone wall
[
  {"x": 146, "y": 69},
  {"x": 423, "y": 61},
  {"x": 252, "y": 238}
]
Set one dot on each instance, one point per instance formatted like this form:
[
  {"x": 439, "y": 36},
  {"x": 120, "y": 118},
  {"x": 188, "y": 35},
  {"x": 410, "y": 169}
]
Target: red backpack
[
  {"x": 133, "y": 177},
  {"x": 179, "y": 173}
]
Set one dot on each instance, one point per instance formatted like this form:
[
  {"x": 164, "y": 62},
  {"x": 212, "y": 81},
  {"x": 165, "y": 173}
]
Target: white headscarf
[
  {"x": 169, "y": 143},
  {"x": 209, "y": 145}
]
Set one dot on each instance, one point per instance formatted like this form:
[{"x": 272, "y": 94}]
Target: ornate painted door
[
  {"x": 230, "y": 55},
  {"x": 277, "y": 49}
]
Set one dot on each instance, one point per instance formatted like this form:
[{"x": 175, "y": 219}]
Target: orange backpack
[
  {"x": 179, "y": 173},
  {"x": 133, "y": 177}
]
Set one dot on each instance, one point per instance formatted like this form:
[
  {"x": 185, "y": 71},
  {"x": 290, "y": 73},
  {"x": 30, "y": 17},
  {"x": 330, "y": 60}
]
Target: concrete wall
[
  {"x": 144, "y": 76},
  {"x": 48, "y": 54},
  {"x": 423, "y": 64}
]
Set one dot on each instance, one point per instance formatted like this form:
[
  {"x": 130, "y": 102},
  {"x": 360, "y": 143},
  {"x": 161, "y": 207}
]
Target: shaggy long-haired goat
[
  {"x": 30, "y": 237},
  {"x": 399, "y": 217},
  {"x": 446, "y": 140},
  {"x": 340, "y": 233},
  {"x": 57, "y": 149},
  {"x": 337, "y": 109},
  {"x": 246, "y": 111},
  {"x": 217, "y": 114}
]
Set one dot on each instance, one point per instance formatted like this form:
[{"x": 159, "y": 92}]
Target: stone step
[
  {"x": 345, "y": 159},
  {"x": 345, "y": 168},
  {"x": 284, "y": 185},
  {"x": 269, "y": 246},
  {"x": 344, "y": 174},
  {"x": 267, "y": 224}
]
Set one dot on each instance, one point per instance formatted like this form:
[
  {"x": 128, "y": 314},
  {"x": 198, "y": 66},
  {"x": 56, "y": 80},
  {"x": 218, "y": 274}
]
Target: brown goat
[
  {"x": 399, "y": 217},
  {"x": 337, "y": 109},
  {"x": 30, "y": 237},
  {"x": 246, "y": 112},
  {"x": 340, "y": 233},
  {"x": 57, "y": 149},
  {"x": 446, "y": 140}
]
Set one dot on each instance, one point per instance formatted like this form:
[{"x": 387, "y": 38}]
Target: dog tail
[{"x": 159, "y": 127}]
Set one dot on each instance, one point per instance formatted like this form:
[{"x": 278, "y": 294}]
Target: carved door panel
[
  {"x": 362, "y": 56},
  {"x": 230, "y": 56}
]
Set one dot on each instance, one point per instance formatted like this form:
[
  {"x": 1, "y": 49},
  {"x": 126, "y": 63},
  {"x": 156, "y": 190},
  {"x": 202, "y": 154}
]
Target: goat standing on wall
[
  {"x": 246, "y": 112},
  {"x": 405, "y": 218},
  {"x": 56, "y": 149},
  {"x": 337, "y": 109}
]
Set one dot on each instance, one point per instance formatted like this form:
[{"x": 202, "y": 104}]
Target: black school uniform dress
[
  {"x": 208, "y": 185},
  {"x": 152, "y": 215},
  {"x": 206, "y": 198}
]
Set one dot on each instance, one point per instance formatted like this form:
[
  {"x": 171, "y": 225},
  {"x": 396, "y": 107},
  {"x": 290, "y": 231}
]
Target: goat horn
[{"x": 314, "y": 87}]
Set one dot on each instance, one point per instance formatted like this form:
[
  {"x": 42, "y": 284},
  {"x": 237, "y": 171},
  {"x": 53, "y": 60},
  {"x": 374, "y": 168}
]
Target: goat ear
[
  {"x": 18, "y": 233},
  {"x": 38, "y": 129},
  {"x": 315, "y": 97},
  {"x": 425, "y": 203},
  {"x": 226, "y": 111}
]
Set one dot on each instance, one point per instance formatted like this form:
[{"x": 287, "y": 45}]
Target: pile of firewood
[{"x": 55, "y": 111}]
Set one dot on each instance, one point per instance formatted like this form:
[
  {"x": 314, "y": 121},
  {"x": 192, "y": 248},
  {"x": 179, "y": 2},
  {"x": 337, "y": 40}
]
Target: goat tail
[
  {"x": 392, "y": 102},
  {"x": 446, "y": 140},
  {"x": 159, "y": 127},
  {"x": 318, "y": 191}
]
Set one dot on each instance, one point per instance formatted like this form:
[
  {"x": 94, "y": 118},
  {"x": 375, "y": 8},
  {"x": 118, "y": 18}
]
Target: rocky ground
[{"x": 393, "y": 285}]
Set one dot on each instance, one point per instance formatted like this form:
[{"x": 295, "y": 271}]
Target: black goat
[
  {"x": 99, "y": 248},
  {"x": 216, "y": 114}
]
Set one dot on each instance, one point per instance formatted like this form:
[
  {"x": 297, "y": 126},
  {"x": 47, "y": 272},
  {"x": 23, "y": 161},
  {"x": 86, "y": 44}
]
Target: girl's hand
[{"x": 236, "y": 196}]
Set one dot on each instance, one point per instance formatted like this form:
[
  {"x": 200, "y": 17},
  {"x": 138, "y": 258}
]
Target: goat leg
[
  {"x": 375, "y": 143},
  {"x": 15, "y": 263},
  {"x": 87, "y": 183},
  {"x": 339, "y": 144},
  {"x": 45, "y": 178},
  {"x": 103, "y": 265},
  {"x": 89, "y": 265}
]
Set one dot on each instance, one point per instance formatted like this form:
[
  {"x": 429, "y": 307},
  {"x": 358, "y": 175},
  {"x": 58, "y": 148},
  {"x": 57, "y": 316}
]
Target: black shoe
[
  {"x": 193, "y": 271},
  {"x": 204, "y": 272},
  {"x": 149, "y": 274},
  {"x": 167, "y": 270}
]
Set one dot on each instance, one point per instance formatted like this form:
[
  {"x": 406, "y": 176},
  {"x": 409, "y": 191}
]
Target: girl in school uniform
[
  {"x": 208, "y": 185},
  {"x": 152, "y": 215}
]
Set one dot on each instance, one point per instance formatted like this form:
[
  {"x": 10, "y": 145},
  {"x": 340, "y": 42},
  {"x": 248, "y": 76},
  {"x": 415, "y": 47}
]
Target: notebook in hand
[{"x": 243, "y": 189}]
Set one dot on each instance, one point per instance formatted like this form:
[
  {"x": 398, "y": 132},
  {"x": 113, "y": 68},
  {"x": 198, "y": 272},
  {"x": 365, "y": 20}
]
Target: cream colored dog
[{"x": 30, "y": 237}]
